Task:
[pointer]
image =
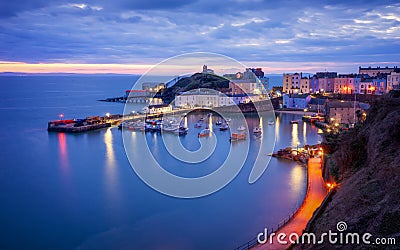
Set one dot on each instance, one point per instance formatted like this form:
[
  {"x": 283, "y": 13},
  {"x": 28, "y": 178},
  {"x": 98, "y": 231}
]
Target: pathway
[{"x": 313, "y": 200}]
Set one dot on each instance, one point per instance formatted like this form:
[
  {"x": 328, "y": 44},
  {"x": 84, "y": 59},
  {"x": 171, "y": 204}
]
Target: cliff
[{"x": 366, "y": 164}]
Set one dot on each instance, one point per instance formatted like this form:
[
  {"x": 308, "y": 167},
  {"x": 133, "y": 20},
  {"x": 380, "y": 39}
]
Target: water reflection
[
  {"x": 295, "y": 135},
  {"x": 304, "y": 133},
  {"x": 297, "y": 179},
  {"x": 277, "y": 127},
  {"x": 62, "y": 146},
  {"x": 210, "y": 123},
  {"x": 110, "y": 170}
]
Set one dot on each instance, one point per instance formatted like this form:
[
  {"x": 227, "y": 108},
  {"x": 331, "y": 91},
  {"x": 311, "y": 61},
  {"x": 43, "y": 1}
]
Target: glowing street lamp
[
  {"x": 108, "y": 115},
  {"x": 61, "y": 116}
]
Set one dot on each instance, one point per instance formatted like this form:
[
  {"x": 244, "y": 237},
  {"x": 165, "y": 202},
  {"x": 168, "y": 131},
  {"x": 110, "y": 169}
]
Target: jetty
[{"x": 83, "y": 125}]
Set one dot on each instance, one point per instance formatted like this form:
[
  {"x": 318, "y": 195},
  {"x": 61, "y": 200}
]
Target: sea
[{"x": 80, "y": 191}]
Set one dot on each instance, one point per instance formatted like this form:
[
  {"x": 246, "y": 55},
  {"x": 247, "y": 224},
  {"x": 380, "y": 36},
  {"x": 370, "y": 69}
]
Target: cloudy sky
[{"x": 130, "y": 35}]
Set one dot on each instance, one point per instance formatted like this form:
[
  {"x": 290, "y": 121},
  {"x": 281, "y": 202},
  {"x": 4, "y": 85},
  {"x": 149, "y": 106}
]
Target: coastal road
[{"x": 313, "y": 200}]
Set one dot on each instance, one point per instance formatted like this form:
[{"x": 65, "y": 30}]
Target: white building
[
  {"x": 246, "y": 86},
  {"x": 202, "y": 99},
  {"x": 393, "y": 81},
  {"x": 291, "y": 83},
  {"x": 212, "y": 99},
  {"x": 157, "y": 109},
  {"x": 305, "y": 85}
]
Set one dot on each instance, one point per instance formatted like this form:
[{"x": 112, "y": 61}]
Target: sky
[{"x": 130, "y": 36}]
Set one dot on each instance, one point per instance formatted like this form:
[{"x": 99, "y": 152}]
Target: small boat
[
  {"x": 204, "y": 133},
  {"x": 271, "y": 123},
  {"x": 238, "y": 136},
  {"x": 241, "y": 128},
  {"x": 198, "y": 125},
  {"x": 170, "y": 128},
  {"x": 294, "y": 121},
  {"x": 224, "y": 127},
  {"x": 228, "y": 119},
  {"x": 201, "y": 119},
  {"x": 257, "y": 130},
  {"x": 209, "y": 114},
  {"x": 182, "y": 130},
  {"x": 218, "y": 123}
]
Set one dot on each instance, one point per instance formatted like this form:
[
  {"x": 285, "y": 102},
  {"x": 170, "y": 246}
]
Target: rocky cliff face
[{"x": 366, "y": 163}]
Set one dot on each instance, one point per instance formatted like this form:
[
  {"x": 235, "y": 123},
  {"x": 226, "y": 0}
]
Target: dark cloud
[{"x": 148, "y": 31}]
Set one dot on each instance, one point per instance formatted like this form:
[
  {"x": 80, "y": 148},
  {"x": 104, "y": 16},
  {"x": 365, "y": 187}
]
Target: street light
[{"x": 61, "y": 116}]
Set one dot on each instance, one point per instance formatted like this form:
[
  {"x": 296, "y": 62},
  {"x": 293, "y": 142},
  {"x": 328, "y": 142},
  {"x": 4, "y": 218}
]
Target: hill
[
  {"x": 366, "y": 163},
  {"x": 195, "y": 81}
]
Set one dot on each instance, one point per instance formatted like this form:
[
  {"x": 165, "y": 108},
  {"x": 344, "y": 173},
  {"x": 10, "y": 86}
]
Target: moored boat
[
  {"x": 257, "y": 130},
  {"x": 204, "y": 133},
  {"x": 238, "y": 136},
  {"x": 241, "y": 128},
  {"x": 224, "y": 127}
]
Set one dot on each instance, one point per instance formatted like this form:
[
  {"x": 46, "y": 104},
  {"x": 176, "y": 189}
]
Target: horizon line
[{"x": 8, "y": 67}]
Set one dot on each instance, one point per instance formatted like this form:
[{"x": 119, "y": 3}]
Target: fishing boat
[
  {"x": 241, "y": 128},
  {"x": 218, "y": 123},
  {"x": 198, "y": 125},
  {"x": 224, "y": 127},
  {"x": 294, "y": 121},
  {"x": 271, "y": 123},
  {"x": 201, "y": 119},
  {"x": 228, "y": 119},
  {"x": 204, "y": 133},
  {"x": 257, "y": 130}
]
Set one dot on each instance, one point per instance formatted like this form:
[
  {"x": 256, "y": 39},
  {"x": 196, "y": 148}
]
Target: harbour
[{"x": 122, "y": 201}]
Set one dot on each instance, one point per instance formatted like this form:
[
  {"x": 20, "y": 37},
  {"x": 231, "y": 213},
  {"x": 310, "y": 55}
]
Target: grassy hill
[{"x": 195, "y": 81}]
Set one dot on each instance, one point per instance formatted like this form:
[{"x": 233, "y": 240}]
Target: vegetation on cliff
[
  {"x": 366, "y": 164},
  {"x": 198, "y": 80}
]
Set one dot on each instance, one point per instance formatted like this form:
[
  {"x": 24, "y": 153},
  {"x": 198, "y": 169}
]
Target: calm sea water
[{"x": 65, "y": 191}]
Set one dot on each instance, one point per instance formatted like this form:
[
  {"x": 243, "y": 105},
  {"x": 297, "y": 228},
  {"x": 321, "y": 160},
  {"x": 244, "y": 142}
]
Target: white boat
[
  {"x": 182, "y": 130},
  {"x": 241, "y": 128},
  {"x": 228, "y": 119},
  {"x": 294, "y": 121},
  {"x": 257, "y": 130},
  {"x": 170, "y": 128},
  {"x": 224, "y": 127},
  {"x": 271, "y": 123}
]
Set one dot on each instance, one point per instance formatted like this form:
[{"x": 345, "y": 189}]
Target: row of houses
[
  {"x": 251, "y": 81},
  {"x": 334, "y": 111},
  {"x": 370, "y": 80}
]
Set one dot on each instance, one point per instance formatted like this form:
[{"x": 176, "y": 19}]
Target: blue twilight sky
[{"x": 279, "y": 35}]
